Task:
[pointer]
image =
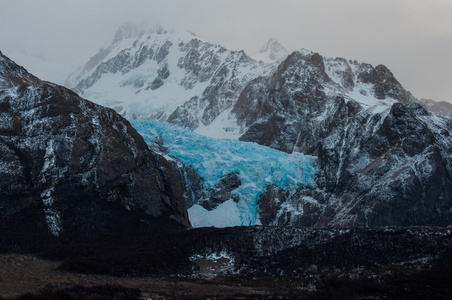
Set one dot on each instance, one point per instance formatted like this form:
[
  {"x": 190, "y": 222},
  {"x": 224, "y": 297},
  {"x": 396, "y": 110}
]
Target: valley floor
[
  {"x": 24, "y": 276},
  {"x": 28, "y": 274},
  {"x": 20, "y": 274},
  {"x": 231, "y": 263}
]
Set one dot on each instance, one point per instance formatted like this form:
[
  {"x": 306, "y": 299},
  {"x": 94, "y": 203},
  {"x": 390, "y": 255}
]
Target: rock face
[
  {"x": 221, "y": 192},
  {"x": 382, "y": 158},
  {"x": 69, "y": 166},
  {"x": 196, "y": 193}
]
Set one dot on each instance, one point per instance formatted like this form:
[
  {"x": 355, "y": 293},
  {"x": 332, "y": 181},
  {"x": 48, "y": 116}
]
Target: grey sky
[{"x": 413, "y": 38}]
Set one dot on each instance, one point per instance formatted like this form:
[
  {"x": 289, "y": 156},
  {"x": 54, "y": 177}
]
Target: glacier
[{"x": 257, "y": 166}]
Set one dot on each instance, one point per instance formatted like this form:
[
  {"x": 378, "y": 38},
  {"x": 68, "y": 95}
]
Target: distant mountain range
[{"x": 382, "y": 158}]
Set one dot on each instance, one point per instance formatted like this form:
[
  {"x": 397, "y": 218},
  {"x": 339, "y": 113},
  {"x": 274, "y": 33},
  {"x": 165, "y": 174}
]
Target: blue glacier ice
[{"x": 257, "y": 166}]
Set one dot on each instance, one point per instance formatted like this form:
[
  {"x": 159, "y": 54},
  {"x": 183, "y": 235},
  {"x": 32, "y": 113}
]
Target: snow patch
[
  {"x": 225, "y": 215},
  {"x": 49, "y": 157},
  {"x": 213, "y": 264},
  {"x": 223, "y": 127},
  {"x": 51, "y": 214},
  {"x": 53, "y": 220}
]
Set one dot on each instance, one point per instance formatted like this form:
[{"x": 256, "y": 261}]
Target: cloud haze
[{"x": 413, "y": 38}]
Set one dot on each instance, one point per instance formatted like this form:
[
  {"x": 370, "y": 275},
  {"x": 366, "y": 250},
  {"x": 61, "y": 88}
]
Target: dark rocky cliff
[{"x": 69, "y": 166}]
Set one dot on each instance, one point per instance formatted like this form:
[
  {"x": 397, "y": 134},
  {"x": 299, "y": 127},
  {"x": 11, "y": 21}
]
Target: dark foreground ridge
[
  {"x": 70, "y": 167},
  {"x": 297, "y": 263}
]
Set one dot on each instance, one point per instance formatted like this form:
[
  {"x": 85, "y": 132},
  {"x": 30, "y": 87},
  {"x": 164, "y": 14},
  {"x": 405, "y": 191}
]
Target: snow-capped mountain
[
  {"x": 382, "y": 158},
  {"x": 166, "y": 75},
  {"x": 69, "y": 167},
  {"x": 271, "y": 52},
  {"x": 303, "y": 85}
]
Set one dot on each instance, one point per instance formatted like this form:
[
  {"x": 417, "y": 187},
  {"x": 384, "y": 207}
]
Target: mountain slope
[
  {"x": 165, "y": 75},
  {"x": 71, "y": 167}
]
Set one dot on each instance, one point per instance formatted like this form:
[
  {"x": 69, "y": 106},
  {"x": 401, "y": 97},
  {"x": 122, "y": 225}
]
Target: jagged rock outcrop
[
  {"x": 69, "y": 166},
  {"x": 196, "y": 193},
  {"x": 382, "y": 158},
  {"x": 222, "y": 191},
  {"x": 191, "y": 183}
]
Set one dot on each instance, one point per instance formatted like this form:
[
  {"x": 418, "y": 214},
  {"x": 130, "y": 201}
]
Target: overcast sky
[{"x": 413, "y": 38}]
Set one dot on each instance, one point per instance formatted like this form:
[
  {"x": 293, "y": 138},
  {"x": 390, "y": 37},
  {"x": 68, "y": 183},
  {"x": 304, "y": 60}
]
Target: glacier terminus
[{"x": 257, "y": 167}]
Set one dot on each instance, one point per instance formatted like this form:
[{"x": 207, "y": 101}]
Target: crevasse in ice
[{"x": 258, "y": 166}]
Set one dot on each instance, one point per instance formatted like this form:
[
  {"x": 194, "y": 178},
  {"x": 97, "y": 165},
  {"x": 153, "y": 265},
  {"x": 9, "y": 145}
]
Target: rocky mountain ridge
[
  {"x": 174, "y": 76},
  {"x": 71, "y": 167},
  {"x": 382, "y": 158}
]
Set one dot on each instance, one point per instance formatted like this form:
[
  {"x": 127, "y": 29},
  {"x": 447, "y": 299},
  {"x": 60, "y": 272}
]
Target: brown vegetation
[{"x": 30, "y": 277}]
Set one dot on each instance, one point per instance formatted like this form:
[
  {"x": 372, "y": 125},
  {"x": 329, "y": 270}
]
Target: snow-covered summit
[
  {"x": 166, "y": 75},
  {"x": 127, "y": 36},
  {"x": 271, "y": 52},
  {"x": 133, "y": 31},
  {"x": 128, "y": 30}
]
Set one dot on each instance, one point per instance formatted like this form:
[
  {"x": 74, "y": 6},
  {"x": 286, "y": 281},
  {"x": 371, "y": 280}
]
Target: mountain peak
[
  {"x": 12, "y": 74},
  {"x": 126, "y": 31},
  {"x": 272, "y": 51},
  {"x": 131, "y": 30}
]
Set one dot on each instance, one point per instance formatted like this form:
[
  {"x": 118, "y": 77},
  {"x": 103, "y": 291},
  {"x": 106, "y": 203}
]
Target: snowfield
[{"x": 257, "y": 166}]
